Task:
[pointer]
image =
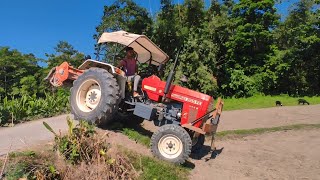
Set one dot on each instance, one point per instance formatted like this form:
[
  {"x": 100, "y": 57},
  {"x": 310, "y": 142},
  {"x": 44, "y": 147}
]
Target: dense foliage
[
  {"x": 24, "y": 95},
  {"x": 228, "y": 48},
  {"x": 232, "y": 48},
  {"x": 31, "y": 107}
]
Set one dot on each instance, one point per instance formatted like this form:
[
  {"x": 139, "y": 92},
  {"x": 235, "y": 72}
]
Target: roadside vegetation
[
  {"x": 24, "y": 94},
  {"x": 262, "y": 101},
  {"x": 257, "y": 131},
  {"x": 27, "y": 108},
  {"x": 229, "y": 134},
  {"x": 84, "y": 153}
]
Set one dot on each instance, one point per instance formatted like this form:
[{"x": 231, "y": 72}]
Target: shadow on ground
[
  {"x": 206, "y": 150},
  {"x": 119, "y": 126}
]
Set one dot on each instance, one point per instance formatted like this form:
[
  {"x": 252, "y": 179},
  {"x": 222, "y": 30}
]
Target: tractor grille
[
  {"x": 192, "y": 114},
  {"x": 211, "y": 106}
]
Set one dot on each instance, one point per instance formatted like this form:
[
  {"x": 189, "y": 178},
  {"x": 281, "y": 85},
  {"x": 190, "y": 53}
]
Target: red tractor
[{"x": 101, "y": 93}]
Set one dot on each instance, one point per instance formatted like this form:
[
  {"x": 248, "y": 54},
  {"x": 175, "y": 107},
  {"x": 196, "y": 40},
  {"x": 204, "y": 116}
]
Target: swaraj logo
[{"x": 193, "y": 101}]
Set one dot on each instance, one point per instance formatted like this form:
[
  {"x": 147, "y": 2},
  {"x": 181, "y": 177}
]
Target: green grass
[
  {"x": 145, "y": 140},
  {"x": 260, "y": 101},
  {"x": 136, "y": 136},
  {"x": 23, "y": 153},
  {"x": 247, "y": 132},
  {"x": 154, "y": 169},
  {"x": 17, "y": 171}
]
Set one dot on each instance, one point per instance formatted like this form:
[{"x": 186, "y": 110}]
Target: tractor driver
[{"x": 131, "y": 69}]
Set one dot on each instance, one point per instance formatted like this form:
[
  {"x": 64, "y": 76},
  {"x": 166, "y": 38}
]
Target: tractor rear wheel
[
  {"x": 94, "y": 96},
  {"x": 171, "y": 143}
]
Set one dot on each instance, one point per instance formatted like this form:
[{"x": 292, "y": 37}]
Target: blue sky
[{"x": 36, "y": 26}]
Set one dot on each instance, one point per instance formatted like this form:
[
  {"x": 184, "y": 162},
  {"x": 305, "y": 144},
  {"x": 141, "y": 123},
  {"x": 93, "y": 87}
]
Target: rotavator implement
[{"x": 101, "y": 93}]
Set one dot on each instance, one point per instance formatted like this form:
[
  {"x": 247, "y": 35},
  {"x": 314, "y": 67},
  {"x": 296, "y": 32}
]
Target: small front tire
[{"x": 171, "y": 143}]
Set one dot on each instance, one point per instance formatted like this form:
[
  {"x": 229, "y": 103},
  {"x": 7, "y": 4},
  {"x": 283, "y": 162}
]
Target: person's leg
[{"x": 135, "y": 85}]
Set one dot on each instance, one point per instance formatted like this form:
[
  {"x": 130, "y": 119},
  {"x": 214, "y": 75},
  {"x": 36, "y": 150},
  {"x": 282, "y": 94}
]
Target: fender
[
  {"x": 93, "y": 63},
  {"x": 60, "y": 75}
]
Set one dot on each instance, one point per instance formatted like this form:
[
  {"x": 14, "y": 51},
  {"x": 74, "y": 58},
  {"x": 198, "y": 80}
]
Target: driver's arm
[{"x": 121, "y": 64}]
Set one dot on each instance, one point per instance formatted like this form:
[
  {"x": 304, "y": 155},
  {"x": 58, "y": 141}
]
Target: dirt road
[
  {"x": 279, "y": 155},
  {"x": 269, "y": 117},
  {"x": 30, "y": 133}
]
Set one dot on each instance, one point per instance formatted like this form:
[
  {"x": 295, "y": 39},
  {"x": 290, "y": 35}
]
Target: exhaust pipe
[{"x": 170, "y": 77}]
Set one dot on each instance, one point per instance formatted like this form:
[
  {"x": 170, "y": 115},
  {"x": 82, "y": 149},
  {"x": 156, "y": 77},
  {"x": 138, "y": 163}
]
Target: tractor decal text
[
  {"x": 150, "y": 88},
  {"x": 193, "y": 101}
]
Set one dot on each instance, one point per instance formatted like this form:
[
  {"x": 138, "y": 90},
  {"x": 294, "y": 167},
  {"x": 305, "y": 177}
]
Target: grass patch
[
  {"x": 31, "y": 165},
  {"x": 21, "y": 154},
  {"x": 247, "y": 132},
  {"x": 151, "y": 168},
  {"x": 260, "y": 101},
  {"x": 136, "y": 136},
  {"x": 145, "y": 140}
]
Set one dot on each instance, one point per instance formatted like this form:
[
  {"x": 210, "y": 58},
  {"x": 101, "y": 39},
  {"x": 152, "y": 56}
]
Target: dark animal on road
[
  {"x": 303, "y": 101},
  {"x": 278, "y": 103}
]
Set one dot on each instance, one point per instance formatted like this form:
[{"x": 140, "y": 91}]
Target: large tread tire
[
  {"x": 198, "y": 144},
  {"x": 107, "y": 106},
  {"x": 164, "y": 136}
]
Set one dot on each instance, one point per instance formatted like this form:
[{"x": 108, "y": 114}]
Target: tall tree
[
  {"x": 196, "y": 61},
  {"x": 299, "y": 43},
  {"x": 219, "y": 29},
  {"x": 250, "y": 45},
  {"x": 122, "y": 15},
  {"x": 165, "y": 31},
  {"x": 15, "y": 68},
  {"x": 194, "y": 13},
  {"x": 65, "y": 52}
]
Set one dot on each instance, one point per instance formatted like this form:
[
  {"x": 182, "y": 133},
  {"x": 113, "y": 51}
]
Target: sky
[{"x": 36, "y": 26}]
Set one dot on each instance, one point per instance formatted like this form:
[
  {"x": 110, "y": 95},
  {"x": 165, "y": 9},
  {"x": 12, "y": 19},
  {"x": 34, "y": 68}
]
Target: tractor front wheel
[
  {"x": 171, "y": 143},
  {"x": 94, "y": 96}
]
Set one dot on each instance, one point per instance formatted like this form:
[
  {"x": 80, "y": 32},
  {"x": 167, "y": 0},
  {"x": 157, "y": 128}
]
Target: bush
[
  {"x": 240, "y": 84},
  {"x": 30, "y": 107},
  {"x": 83, "y": 148}
]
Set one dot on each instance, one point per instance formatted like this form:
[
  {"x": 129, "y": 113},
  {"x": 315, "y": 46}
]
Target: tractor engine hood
[{"x": 147, "y": 51}]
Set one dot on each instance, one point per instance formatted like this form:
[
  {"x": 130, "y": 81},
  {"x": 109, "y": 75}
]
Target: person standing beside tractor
[{"x": 130, "y": 66}]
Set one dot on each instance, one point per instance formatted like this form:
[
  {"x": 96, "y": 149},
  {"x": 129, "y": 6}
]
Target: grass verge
[
  {"x": 152, "y": 168},
  {"x": 247, "y": 132},
  {"x": 260, "y": 101},
  {"x": 136, "y": 136},
  {"x": 145, "y": 140}
]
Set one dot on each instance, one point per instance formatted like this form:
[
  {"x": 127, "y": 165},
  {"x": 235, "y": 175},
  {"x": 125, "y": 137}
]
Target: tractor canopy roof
[{"x": 147, "y": 51}]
